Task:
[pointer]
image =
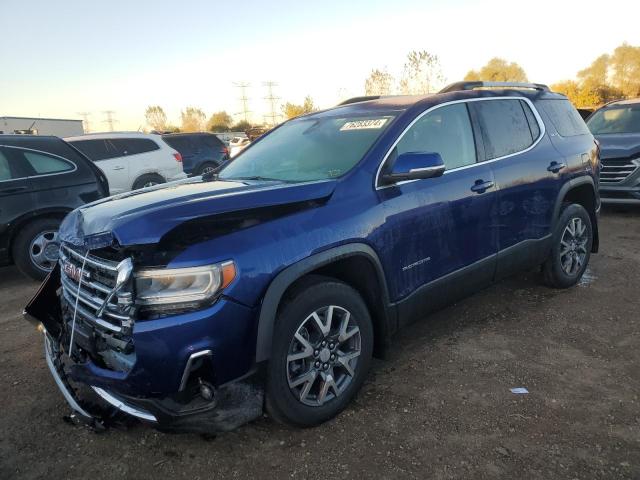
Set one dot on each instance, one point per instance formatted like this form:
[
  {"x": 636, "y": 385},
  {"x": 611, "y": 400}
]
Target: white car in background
[
  {"x": 131, "y": 160},
  {"x": 237, "y": 144}
]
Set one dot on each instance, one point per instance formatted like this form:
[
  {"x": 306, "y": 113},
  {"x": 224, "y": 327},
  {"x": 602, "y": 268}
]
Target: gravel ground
[{"x": 439, "y": 407}]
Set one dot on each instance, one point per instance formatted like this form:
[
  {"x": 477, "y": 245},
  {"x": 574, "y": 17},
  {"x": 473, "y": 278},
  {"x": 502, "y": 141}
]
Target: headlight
[{"x": 170, "y": 289}]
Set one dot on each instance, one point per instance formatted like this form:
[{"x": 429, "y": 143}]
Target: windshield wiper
[{"x": 255, "y": 177}]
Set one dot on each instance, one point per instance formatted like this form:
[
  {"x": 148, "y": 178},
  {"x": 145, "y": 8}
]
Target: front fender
[{"x": 288, "y": 276}]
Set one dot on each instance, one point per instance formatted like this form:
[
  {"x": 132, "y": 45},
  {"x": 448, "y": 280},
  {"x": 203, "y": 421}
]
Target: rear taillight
[
  {"x": 225, "y": 151},
  {"x": 178, "y": 157}
]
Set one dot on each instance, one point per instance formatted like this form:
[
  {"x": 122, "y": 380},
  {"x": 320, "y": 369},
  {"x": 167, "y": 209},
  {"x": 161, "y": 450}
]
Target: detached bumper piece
[{"x": 88, "y": 412}]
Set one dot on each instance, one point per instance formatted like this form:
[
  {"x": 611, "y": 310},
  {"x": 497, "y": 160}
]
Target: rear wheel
[
  {"x": 35, "y": 248},
  {"x": 571, "y": 249},
  {"x": 321, "y": 352},
  {"x": 148, "y": 180},
  {"x": 206, "y": 168}
]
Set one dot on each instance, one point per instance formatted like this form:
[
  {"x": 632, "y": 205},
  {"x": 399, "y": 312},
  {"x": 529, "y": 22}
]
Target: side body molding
[{"x": 288, "y": 276}]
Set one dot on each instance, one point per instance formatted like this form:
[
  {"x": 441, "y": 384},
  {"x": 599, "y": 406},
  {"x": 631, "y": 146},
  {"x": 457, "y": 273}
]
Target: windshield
[
  {"x": 308, "y": 149},
  {"x": 622, "y": 119}
]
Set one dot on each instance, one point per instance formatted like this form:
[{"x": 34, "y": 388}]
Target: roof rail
[
  {"x": 359, "y": 99},
  {"x": 458, "y": 86}
]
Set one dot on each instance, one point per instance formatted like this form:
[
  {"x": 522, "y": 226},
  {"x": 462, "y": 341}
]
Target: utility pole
[
  {"x": 109, "y": 120},
  {"x": 244, "y": 100},
  {"x": 272, "y": 101},
  {"x": 85, "y": 120}
]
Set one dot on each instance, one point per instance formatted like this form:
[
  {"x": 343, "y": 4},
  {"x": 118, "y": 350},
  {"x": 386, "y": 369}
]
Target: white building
[{"x": 59, "y": 127}]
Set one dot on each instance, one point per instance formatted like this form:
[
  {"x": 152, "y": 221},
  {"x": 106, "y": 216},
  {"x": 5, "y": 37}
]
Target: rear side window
[
  {"x": 504, "y": 127},
  {"x": 43, "y": 164},
  {"x": 182, "y": 144},
  {"x": 212, "y": 142},
  {"x": 445, "y": 130},
  {"x": 97, "y": 149},
  {"x": 564, "y": 117},
  {"x": 134, "y": 146}
]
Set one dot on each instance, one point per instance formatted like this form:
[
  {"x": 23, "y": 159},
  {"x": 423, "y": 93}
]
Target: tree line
[
  {"x": 610, "y": 77},
  {"x": 193, "y": 119}
]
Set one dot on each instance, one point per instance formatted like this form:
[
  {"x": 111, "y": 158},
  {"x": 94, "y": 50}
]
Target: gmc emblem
[{"x": 71, "y": 271}]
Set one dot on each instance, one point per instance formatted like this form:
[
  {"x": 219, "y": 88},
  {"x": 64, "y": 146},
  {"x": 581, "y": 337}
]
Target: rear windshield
[
  {"x": 309, "y": 149},
  {"x": 618, "y": 119}
]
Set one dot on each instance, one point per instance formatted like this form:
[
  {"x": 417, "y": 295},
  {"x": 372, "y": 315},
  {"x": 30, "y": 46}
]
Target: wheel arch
[
  {"x": 583, "y": 192},
  {"x": 338, "y": 262}
]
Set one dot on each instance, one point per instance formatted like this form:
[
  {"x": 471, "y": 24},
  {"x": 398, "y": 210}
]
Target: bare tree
[
  {"x": 379, "y": 82},
  {"x": 422, "y": 73},
  {"x": 156, "y": 118},
  {"x": 193, "y": 120}
]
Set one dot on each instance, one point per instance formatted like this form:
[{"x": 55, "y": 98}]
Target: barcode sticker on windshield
[{"x": 373, "y": 123}]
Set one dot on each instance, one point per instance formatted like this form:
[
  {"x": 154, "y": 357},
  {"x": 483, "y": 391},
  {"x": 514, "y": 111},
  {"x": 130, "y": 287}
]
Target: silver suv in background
[{"x": 131, "y": 160}]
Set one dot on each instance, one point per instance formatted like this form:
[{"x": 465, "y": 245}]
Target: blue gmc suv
[{"x": 195, "y": 305}]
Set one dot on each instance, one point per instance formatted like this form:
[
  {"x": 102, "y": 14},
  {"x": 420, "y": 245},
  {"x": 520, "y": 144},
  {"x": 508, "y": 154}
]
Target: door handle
[
  {"x": 118, "y": 168},
  {"x": 13, "y": 189},
  {"x": 555, "y": 167},
  {"x": 480, "y": 186}
]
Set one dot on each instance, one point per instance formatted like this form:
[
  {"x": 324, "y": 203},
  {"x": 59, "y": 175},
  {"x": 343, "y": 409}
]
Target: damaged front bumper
[{"x": 159, "y": 389}]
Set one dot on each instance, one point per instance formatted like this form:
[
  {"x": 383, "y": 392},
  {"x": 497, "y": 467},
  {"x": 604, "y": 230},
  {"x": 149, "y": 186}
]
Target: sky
[{"x": 59, "y": 58}]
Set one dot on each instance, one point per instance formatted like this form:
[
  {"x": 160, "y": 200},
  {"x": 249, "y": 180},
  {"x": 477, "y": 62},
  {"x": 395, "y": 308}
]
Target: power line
[
  {"x": 272, "y": 101},
  {"x": 109, "y": 120},
  {"x": 85, "y": 120},
  {"x": 244, "y": 100}
]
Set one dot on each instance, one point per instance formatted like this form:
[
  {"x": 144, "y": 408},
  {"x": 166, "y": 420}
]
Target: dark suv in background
[
  {"x": 201, "y": 152},
  {"x": 616, "y": 126},
  {"x": 41, "y": 180}
]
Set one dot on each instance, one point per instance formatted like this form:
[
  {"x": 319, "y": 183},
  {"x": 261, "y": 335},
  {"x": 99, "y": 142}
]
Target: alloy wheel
[
  {"x": 323, "y": 355},
  {"x": 573, "y": 246}
]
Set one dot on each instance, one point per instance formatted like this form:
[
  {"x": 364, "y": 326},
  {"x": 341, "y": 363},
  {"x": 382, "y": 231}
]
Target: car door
[
  {"x": 527, "y": 171},
  {"x": 15, "y": 195},
  {"x": 440, "y": 234},
  {"x": 104, "y": 153}
]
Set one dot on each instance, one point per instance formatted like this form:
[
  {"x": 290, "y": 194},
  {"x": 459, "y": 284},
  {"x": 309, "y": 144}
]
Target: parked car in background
[
  {"x": 42, "y": 179},
  {"x": 131, "y": 160},
  {"x": 616, "y": 126},
  {"x": 226, "y": 137},
  {"x": 274, "y": 282},
  {"x": 237, "y": 144},
  {"x": 201, "y": 152}
]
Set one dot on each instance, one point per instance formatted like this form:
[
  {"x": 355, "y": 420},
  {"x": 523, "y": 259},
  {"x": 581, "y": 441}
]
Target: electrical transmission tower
[
  {"x": 85, "y": 120},
  {"x": 272, "y": 101},
  {"x": 109, "y": 120},
  {"x": 244, "y": 100}
]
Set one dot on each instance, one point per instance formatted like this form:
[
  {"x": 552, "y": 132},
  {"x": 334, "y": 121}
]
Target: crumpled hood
[
  {"x": 619, "y": 145},
  {"x": 144, "y": 216}
]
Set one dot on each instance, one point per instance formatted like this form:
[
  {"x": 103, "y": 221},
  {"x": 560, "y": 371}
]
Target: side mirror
[{"x": 414, "y": 166}]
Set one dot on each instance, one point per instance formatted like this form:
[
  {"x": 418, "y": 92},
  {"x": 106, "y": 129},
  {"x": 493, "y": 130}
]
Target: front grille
[
  {"x": 98, "y": 280},
  {"x": 615, "y": 170}
]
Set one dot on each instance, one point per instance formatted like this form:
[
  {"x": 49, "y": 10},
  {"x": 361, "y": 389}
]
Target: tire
[
  {"x": 573, "y": 217},
  {"x": 35, "y": 247},
  {"x": 148, "y": 180},
  {"x": 206, "y": 167},
  {"x": 321, "y": 295}
]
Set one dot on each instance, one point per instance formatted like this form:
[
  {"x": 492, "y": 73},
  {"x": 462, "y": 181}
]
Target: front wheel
[
  {"x": 571, "y": 249},
  {"x": 322, "y": 349}
]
